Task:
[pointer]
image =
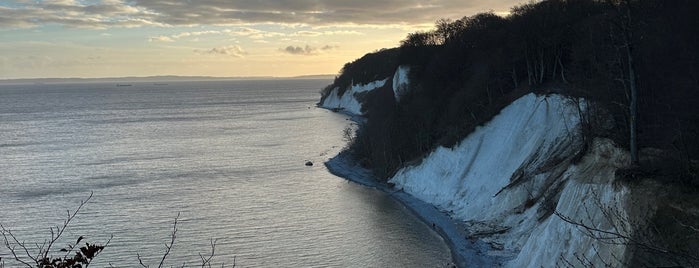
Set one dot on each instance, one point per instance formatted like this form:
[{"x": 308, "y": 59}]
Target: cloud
[
  {"x": 103, "y": 14},
  {"x": 296, "y": 50},
  {"x": 134, "y": 13},
  {"x": 161, "y": 38},
  {"x": 307, "y": 50},
  {"x": 323, "y": 33},
  {"x": 317, "y": 12},
  {"x": 255, "y": 33},
  {"x": 345, "y": 32},
  {"x": 328, "y": 47},
  {"x": 232, "y": 50},
  {"x": 308, "y": 33},
  {"x": 248, "y": 32},
  {"x": 188, "y": 34}
]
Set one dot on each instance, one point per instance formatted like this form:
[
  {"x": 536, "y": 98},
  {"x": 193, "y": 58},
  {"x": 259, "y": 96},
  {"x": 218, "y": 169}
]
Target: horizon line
[{"x": 153, "y": 78}]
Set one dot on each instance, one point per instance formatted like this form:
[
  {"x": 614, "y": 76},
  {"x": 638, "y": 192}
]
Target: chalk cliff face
[
  {"x": 507, "y": 178},
  {"x": 401, "y": 82},
  {"x": 588, "y": 197},
  {"x": 351, "y": 100},
  {"x": 528, "y": 183}
]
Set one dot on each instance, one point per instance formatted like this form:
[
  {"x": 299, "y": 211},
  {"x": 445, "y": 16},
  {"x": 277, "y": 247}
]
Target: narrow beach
[{"x": 465, "y": 252}]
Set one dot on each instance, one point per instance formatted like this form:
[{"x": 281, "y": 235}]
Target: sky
[{"x": 223, "y": 38}]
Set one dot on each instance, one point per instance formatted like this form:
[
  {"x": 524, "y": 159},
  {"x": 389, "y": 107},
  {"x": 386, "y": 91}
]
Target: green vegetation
[{"x": 464, "y": 71}]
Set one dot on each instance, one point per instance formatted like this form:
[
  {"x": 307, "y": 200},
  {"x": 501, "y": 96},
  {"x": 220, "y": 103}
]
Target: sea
[{"x": 225, "y": 159}]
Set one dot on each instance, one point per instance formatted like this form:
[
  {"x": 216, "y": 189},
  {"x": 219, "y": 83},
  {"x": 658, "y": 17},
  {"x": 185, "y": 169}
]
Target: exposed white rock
[
  {"x": 349, "y": 102},
  {"x": 468, "y": 178},
  {"x": 588, "y": 198},
  {"x": 401, "y": 81},
  {"x": 500, "y": 177}
]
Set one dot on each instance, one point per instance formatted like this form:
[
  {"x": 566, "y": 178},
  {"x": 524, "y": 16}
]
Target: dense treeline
[
  {"x": 464, "y": 71},
  {"x": 369, "y": 68}
]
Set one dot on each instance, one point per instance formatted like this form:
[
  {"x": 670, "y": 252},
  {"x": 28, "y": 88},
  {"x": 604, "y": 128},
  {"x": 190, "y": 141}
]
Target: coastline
[{"x": 465, "y": 252}]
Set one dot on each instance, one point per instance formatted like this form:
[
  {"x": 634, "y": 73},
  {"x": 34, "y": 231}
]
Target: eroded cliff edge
[
  {"x": 531, "y": 186},
  {"x": 562, "y": 134}
]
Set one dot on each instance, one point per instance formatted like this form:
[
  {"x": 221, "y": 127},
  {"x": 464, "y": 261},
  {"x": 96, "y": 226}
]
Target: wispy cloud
[
  {"x": 342, "y": 32},
  {"x": 251, "y": 33},
  {"x": 307, "y": 50},
  {"x": 134, "y": 13},
  {"x": 103, "y": 14},
  {"x": 255, "y": 33},
  {"x": 199, "y": 33},
  {"x": 308, "y": 33},
  {"x": 232, "y": 50},
  {"x": 316, "y": 12},
  {"x": 160, "y": 38}
]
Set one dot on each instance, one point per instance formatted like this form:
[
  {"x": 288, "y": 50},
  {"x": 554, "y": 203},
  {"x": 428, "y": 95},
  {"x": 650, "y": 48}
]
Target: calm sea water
[{"x": 228, "y": 156}]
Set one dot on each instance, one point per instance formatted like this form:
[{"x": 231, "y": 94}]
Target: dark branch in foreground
[
  {"x": 82, "y": 256},
  {"x": 619, "y": 235},
  {"x": 172, "y": 241}
]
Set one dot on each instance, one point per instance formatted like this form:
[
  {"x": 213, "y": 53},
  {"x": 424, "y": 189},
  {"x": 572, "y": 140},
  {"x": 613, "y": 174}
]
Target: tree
[
  {"x": 623, "y": 36},
  {"x": 635, "y": 59},
  {"x": 633, "y": 88},
  {"x": 419, "y": 39}
]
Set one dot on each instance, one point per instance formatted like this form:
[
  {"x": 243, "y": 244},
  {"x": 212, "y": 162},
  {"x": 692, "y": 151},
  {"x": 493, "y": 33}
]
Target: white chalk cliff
[
  {"x": 401, "y": 82},
  {"x": 350, "y": 101},
  {"x": 522, "y": 182},
  {"x": 507, "y": 177}
]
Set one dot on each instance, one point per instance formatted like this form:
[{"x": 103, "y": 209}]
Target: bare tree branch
[
  {"x": 140, "y": 261},
  {"x": 206, "y": 261},
  {"x": 82, "y": 257},
  {"x": 5, "y": 233},
  {"x": 22, "y": 254},
  {"x": 172, "y": 241},
  {"x": 60, "y": 229},
  {"x": 619, "y": 235}
]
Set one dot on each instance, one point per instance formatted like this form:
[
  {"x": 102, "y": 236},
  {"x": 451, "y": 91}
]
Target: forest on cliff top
[{"x": 464, "y": 71}]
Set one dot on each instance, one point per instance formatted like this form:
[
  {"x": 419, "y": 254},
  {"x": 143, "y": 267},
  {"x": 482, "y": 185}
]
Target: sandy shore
[{"x": 465, "y": 252}]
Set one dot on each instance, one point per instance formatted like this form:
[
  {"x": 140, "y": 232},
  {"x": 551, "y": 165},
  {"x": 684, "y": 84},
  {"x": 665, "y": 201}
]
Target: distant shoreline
[{"x": 154, "y": 79}]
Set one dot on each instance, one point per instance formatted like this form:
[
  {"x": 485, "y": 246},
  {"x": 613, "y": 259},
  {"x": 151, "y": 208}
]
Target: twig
[
  {"x": 42, "y": 256},
  {"x": 206, "y": 261},
  {"x": 5, "y": 232},
  {"x": 615, "y": 237},
  {"x": 140, "y": 261},
  {"x": 688, "y": 226},
  {"x": 59, "y": 230},
  {"x": 172, "y": 241}
]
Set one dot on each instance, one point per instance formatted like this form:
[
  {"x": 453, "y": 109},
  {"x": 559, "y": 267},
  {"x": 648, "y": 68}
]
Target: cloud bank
[
  {"x": 232, "y": 50},
  {"x": 307, "y": 50},
  {"x": 134, "y": 13},
  {"x": 71, "y": 13}
]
